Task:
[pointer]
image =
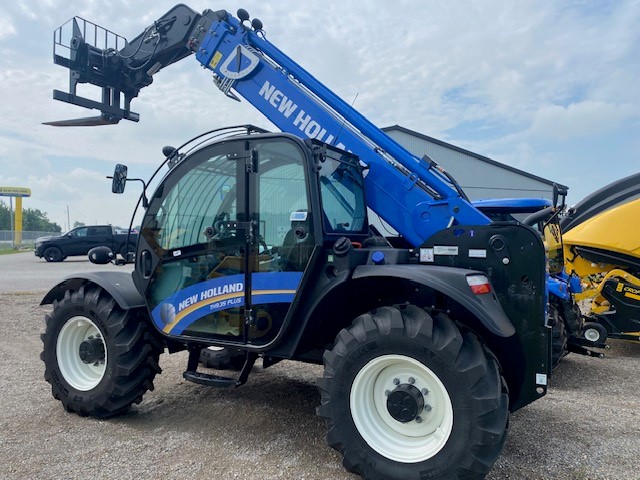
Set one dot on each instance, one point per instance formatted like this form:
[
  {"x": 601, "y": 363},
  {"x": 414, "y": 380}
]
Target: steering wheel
[
  {"x": 262, "y": 243},
  {"x": 220, "y": 226}
]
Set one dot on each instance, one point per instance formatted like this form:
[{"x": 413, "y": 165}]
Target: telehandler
[{"x": 261, "y": 242}]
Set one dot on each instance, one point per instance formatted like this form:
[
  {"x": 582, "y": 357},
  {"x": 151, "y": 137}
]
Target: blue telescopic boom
[{"x": 414, "y": 196}]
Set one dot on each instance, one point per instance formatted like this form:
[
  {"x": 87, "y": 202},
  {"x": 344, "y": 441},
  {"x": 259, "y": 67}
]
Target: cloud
[
  {"x": 588, "y": 118},
  {"x": 6, "y": 27}
]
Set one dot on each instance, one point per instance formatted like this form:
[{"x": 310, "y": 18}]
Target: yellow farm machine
[{"x": 601, "y": 238}]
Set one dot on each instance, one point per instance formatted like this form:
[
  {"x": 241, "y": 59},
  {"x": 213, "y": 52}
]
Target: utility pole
[{"x": 11, "y": 225}]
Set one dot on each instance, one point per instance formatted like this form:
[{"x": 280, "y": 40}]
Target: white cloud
[
  {"x": 588, "y": 118},
  {"x": 6, "y": 27}
]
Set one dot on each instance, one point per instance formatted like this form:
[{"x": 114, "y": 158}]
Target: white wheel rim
[
  {"x": 592, "y": 334},
  {"x": 81, "y": 376},
  {"x": 410, "y": 442}
]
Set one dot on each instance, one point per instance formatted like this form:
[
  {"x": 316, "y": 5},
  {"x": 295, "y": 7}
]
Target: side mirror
[
  {"x": 119, "y": 178},
  {"x": 101, "y": 255}
]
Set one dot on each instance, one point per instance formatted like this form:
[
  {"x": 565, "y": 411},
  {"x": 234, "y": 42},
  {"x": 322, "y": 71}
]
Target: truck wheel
[
  {"x": 558, "y": 337},
  {"x": 124, "y": 250},
  {"x": 407, "y": 396},
  {"x": 99, "y": 359},
  {"x": 53, "y": 254},
  {"x": 222, "y": 358}
]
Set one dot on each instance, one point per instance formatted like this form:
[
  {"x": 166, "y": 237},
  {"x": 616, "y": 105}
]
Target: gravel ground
[{"x": 585, "y": 428}]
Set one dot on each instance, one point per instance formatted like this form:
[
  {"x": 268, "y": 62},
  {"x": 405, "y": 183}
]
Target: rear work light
[{"x": 479, "y": 284}]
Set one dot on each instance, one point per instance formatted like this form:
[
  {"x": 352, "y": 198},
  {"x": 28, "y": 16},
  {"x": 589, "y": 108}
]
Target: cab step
[
  {"x": 208, "y": 379},
  {"x": 193, "y": 375}
]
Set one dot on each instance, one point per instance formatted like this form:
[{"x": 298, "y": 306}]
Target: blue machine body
[{"x": 561, "y": 284}]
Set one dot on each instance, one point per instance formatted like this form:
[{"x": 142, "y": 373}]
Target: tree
[
  {"x": 33, "y": 220},
  {"x": 5, "y": 216},
  {"x": 37, "y": 221}
]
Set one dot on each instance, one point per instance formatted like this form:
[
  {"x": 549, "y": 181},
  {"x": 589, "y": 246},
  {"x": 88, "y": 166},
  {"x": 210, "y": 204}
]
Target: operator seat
[{"x": 298, "y": 244}]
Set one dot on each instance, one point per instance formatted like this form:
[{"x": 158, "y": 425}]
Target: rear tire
[
  {"x": 406, "y": 396},
  {"x": 99, "y": 359},
  {"x": 558, "y": 337},
  {"x": 53, "y": 254}
]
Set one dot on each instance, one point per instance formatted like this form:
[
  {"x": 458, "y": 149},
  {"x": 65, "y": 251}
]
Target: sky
[{"x": 551, "y": 88}]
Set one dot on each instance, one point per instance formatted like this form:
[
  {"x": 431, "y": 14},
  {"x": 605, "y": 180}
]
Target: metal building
[{"x": 480, "y": 177}]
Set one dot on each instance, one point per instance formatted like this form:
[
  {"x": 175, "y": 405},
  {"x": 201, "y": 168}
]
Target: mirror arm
[{"x": 145, "y": 201}]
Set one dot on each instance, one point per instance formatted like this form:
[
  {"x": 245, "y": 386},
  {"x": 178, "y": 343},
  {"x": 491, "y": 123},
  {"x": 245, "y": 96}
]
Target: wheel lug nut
[
  {"x": 425, "y": 391},
  {"x": 418, "y": 419},
  {"x": 396, "y": 381},
  {"x": 387, "y": 393},
  {"x": 412, "y": 380},
  {"x": 427, "y": 408}
]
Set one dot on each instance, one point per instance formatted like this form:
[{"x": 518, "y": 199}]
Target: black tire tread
[
  {"x": 132, "y": 358},
  {"x": 58, "y": 258},
  {"x": 466, "y": 354},
  {"x": 559, "y": 340}
]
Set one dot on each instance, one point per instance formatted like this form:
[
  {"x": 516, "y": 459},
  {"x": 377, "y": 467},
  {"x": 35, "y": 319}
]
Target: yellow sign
[
  {"x": 215, "y": 60},
  {"x": 15, "y": 192}
]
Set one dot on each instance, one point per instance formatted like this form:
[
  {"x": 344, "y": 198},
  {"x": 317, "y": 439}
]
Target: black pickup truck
[{"x": 82, "y": 239}]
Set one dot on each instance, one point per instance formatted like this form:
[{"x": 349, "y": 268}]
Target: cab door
[{"x": 211, "y": 257}]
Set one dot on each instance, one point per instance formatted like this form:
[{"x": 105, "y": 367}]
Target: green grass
[{"x": 6, "y": 250}]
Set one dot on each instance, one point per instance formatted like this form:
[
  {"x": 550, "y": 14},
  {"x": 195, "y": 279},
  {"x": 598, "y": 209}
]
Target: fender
[
  {"x": 119, "y": 285},
  {"x": 452, "y": 282}
]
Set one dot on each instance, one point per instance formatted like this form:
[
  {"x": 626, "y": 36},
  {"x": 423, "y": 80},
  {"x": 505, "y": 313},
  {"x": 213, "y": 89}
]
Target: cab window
[
  {"x": 342, "y": 193},
  {"x": 204, "y": 195}
]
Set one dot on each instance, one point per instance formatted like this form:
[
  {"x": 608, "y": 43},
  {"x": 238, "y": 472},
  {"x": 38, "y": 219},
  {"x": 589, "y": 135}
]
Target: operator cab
[{"x": 233, "y": 227}]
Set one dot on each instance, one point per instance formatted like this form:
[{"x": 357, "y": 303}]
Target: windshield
[{"x": 205, "y": 194}]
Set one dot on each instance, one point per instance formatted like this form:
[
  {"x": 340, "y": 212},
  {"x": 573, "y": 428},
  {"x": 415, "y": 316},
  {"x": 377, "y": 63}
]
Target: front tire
[
  {"x": 53, "y": 254},
  {"x": 99, "y": 358},
  {"x": 407, "y": 396}
]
